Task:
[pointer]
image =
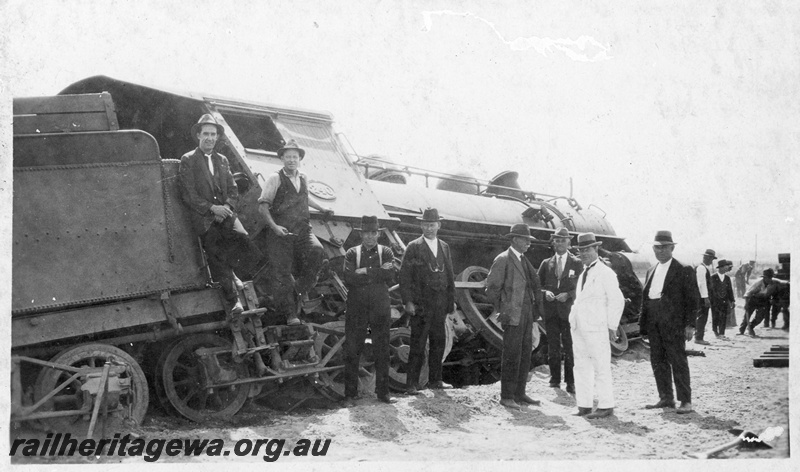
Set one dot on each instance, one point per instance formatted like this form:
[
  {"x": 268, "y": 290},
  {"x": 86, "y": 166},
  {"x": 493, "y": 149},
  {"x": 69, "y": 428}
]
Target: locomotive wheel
[
  {"x": 184, "y": 380},
  {"x": 71, "y": 397},
  {"x": 158, "y": 383},
  {"x": 619, "y": 346},
  {"x": 399, "y": 349},
  {"x": 477, "y": 308},
  {"x": 331, "y": 383}
]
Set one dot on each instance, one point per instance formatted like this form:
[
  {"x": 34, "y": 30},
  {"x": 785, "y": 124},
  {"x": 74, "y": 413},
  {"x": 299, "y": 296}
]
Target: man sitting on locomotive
[
  {"x": 208, "y": 189},
  {"x": 284, "y": 205}
]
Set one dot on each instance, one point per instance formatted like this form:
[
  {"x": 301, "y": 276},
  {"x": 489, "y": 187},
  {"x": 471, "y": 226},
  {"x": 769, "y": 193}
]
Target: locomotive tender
[{"x": 111, "y": 297}]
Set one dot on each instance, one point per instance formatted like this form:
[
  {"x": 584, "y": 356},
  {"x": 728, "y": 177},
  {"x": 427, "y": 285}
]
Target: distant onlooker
[
  {"x": 703, "y": 273},
  {"x": 721, "y": 295},
  {"x": 742, "y": 277}
]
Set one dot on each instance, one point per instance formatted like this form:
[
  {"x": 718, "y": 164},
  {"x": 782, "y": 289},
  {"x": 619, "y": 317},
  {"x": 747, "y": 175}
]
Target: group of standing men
[
  {"x": 579, "y": 299},
  {"x": 582, "y": 304}
]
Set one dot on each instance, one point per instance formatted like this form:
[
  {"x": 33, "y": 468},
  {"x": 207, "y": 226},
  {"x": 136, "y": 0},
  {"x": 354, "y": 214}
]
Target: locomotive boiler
[{"x": 112, "y": 301}]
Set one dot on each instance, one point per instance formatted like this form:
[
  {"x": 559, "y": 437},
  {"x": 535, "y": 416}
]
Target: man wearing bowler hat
[
  {"x": 291, "y": 246},
  {"x": 513, "y": 288},
  {"x": 669, "y": 308},
  {"x": 558, "y": 276},
  {"x": 428, "y": 290},
  {"x": 368, "y": 273},
  {"x": 208, "y": 189},
  {"x": 594, "y": 320},
  {"x": 703, "y": 273}
]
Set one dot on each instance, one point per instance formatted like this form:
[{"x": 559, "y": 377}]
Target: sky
[{"x": 678, "y": 115}]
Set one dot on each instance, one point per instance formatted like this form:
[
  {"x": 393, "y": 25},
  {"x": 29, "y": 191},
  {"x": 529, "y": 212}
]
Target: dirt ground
[{"x": 468, "y": 424}]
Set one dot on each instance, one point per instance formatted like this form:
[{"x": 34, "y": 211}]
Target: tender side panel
[
  {"x": 67, "y": 113},
  {"x": 93, "y": 223}
]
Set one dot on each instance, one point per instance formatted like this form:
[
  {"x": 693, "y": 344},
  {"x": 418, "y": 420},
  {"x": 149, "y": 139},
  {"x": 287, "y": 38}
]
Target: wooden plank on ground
[{"x": 771, "y": 362}]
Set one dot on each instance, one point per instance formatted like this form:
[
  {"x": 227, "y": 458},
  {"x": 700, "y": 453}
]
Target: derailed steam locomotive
[{"x": 111, "y": 297}]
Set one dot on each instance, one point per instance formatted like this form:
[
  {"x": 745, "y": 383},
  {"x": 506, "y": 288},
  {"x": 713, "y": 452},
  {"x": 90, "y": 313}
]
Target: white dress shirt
[
  {"x": 700, "y": 274},
  {"x": 210, "y": 163},
  {"x": 657, "y": 283},
  {"x": 433, "y": 244}
]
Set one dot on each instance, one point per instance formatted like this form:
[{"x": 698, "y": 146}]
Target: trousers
[
  {"x": 668, "y": 355},
  {"x": 700, "y": 322},
  {"x": 516, "y": 359},
  {"x": 228, "y": 248},
  {"x": 593, "y": 369},
  {"x": 559, "y": 343},
  {"x": 367, "y": 308},
  {"x": 719, "y": 319},
  {"x": 427, "y": 327},
  {"x": 293, "y": 266}
]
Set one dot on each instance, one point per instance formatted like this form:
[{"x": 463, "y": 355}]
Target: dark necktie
[{"x": 583, "y": 281}]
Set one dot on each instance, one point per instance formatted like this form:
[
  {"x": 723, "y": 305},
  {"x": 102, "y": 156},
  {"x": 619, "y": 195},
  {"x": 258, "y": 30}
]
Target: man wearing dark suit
[
  {"x": 669, "y": 307},
  {"x": 208, "y": 189},
  {"x": 559, "y": 275},
  {"x": 720, "y": 292},
  {"x": 428, "y": 290},
  {"x": 513, "y": 288}
]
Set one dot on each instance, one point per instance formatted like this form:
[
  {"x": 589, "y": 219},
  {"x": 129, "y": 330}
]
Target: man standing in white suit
[{"x": 594, "y": 320}]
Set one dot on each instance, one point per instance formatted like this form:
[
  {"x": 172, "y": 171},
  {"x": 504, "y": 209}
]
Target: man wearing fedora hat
[
  {"x": 368, "y": 273},
  {"x": 513, "y": 288},
  {"x": 284, "y": 205},
  {"x": 558, "y": 276},
  {"x": 594, "y": 320},
  {"x": 703, "y": 273},
  {"x": 208, "y": 189},
  {"x": 669, "y": 310},
  {"x": 721, "y": 294},
  {"x": 428, "y": 289}
]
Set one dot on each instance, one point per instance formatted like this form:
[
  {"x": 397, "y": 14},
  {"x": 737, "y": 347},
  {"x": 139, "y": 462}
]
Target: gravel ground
[{"x": 469, "y": 424}]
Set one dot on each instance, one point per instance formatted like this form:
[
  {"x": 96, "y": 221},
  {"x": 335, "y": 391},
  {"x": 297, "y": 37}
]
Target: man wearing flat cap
[
  {"x": 720, "y": 292},
  {"x": 368, "y": 273},
  {"x": 558, "y": 276},
  {"x": 703, "y": 273},
  {"x": 208, "y": 189},
  {"x": 513, "y": 288},
  {"x": 594, "y": 321},
  {"x": 428, "y": 289},
  {"x": 669, "y": 310},
  {"x": 291, "y": 246}
]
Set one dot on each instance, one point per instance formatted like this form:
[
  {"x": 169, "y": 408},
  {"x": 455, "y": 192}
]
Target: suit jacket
[
  {"x": 200, "y": 190},
  {"x": 565, "y": 284},
  {"x": 680, "y": 298},
  {"x": 598, "y": 302},
  {"x": 507, "y": 284},
  {"x": 416, "y": 279},
  {"x": 720, "y": 291}
]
